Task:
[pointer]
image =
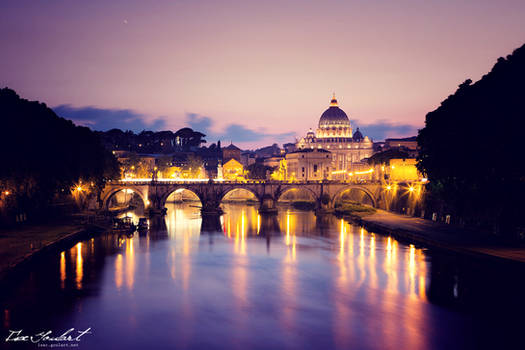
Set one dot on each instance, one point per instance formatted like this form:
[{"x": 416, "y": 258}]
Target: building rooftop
[{"x": 232, "y": 147}]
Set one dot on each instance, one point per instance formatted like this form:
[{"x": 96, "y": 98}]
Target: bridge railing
[{"x": 232, "y": 182}]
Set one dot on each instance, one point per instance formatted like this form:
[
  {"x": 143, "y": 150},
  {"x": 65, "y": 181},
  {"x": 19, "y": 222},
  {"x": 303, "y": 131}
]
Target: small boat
[
  {"x": 123, "y": 226},
  {"x": 143, "y": 225}
]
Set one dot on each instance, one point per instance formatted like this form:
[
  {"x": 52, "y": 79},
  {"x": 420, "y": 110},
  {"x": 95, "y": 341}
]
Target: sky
[{"x": 251, "y": 72}]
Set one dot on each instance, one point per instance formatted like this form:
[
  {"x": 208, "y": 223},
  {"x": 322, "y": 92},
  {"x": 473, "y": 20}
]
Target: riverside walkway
[{"x": 441, "y": 235}]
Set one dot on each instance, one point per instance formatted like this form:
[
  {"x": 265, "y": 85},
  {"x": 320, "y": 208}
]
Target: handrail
[{"x": 254, "y": 182}]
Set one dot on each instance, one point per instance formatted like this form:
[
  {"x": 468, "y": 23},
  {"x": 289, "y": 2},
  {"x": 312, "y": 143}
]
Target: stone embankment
[{"x": 440, "y": 235}]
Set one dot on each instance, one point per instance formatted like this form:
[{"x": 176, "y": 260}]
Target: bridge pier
[
  {"x": 155, "y": 212},
  {"x": 211, "y": 208},
  {"x": 157, "y": 223},
  {"x": 267, "y": 205},
  {"x": 211, "y": 222},
  {"x": 325, "y": 205}
]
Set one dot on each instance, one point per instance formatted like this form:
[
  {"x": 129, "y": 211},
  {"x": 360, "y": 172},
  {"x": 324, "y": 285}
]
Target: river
[{"x": 291, "y": 281}]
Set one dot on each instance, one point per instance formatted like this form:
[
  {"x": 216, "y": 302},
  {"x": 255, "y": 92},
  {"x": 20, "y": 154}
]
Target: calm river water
[{"x": 291, "y": 282}]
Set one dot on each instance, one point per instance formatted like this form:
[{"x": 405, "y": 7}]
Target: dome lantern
[{"x": 333, "y": 101}]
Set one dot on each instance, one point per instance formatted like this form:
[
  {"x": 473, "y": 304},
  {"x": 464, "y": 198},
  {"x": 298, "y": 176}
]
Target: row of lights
[
  {"x": 411, "y": 188},
  {"x": 369, "y": 171}
]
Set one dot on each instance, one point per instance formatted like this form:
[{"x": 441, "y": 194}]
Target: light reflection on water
[{"x": 287, "y": 281}]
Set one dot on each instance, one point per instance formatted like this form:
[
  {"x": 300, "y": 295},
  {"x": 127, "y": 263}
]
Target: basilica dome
[{"x": 334, "y": 116}]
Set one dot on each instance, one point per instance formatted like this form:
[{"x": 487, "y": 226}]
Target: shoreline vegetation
[{"x": 354, "y": 209}]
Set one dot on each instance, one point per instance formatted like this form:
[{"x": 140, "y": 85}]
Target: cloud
[
  {"x": 234, "y": 132},
  {"x": 199, "y": 123},
  {"x": 126, "y": 119},
  {"x": 106, "y": 119},
  {"x": 383, "y": 129}
]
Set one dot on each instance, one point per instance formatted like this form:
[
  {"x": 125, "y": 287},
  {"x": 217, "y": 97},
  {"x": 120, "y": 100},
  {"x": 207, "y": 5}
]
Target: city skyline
[
  {"x": 279, "y": 174},
  {"x": 248, "y": 72}
]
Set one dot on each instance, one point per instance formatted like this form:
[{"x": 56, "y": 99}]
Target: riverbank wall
[{"x": 440, "y": 236}]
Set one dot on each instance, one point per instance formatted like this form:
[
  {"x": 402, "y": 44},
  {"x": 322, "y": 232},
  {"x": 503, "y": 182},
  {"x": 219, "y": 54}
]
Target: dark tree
[
  {"x": 44, "y": 155},
  {"x": 471, "y": 149}
]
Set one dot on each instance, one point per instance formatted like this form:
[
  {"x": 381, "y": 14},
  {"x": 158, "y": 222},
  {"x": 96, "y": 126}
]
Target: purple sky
[{"x": 251, "y": 71}]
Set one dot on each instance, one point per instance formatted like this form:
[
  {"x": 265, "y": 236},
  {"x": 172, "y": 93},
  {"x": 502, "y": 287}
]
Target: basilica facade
[{"x": 334, "y": 134}]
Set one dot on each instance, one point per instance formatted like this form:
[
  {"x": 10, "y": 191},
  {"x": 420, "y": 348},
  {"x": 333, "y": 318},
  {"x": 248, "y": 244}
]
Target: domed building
[{"x": 334, "y": 134}]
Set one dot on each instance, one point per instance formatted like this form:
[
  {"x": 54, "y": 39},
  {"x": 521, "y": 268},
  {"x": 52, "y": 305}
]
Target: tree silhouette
[
  {"x": 471, "y": 148},
  {"x": 44, "y": 155}
]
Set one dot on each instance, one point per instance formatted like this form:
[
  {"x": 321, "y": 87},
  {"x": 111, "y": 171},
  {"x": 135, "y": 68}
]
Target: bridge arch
[
  {"x": 364, "y": 190},
  {"x": 307, "y": 189},
  {"x": 242, "y": 188},
  {"x": 106, "y": 197},
  {"x": 165, "y": 195}
]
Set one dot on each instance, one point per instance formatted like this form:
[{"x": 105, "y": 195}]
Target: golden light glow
[
  {"x": 369, "y": 171},
  {"x": 118, "y": 271},
  {"x": 372, "y": 245},
  {"x": 411, "y": 278},
  {"x": 411, "y": 188},
  {"x": 79, "y": 188},
  {"x": 287, "y": 228},
  {"x": 388, "y": 187},
  {"x": 130, "y": 264},
  {"x": 342, "y": 239},
  {"x": 79, "y": 269},
  {"x": 62, "y": 270},
  {"x": 7, "y": 193},
  {"x": 361, "y": 242},
  {"x": 243, "y": 226}
]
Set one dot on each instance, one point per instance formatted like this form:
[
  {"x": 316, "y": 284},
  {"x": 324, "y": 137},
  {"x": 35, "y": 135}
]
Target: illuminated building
[
  {"x": 233, "y": 170},
  {"x": 309, "y": 164},
  {"x": 334, "y": 134},
  {"x": 403, "y": 170}
]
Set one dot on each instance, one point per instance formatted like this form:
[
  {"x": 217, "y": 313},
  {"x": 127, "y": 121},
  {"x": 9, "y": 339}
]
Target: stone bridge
[{"x": 155, "y": 193}]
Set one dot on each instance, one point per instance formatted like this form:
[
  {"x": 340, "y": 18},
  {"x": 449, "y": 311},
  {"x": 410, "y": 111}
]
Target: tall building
[{"x": 334, "y": 134}]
